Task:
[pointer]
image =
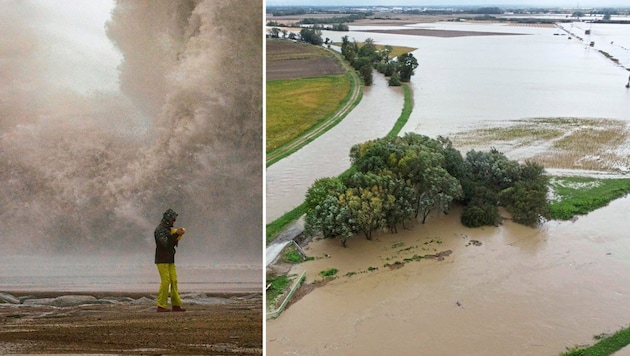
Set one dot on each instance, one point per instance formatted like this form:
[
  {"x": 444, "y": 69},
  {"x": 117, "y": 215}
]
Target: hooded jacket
[{"x": 165, "y": 242}]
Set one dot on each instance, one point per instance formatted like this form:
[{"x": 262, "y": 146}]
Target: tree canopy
[
  {"x": 312, "y": 35},
  {"x": 398, "y": 179},
  {"x": 407, "y": 65},
  {"x": 366, "y": 57}
]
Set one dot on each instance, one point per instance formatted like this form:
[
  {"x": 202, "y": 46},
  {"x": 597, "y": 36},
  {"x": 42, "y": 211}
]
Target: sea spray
[{"x": 93, "y": 171}]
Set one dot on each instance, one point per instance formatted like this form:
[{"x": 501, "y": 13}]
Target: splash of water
[{"x": 93, "y": 170}]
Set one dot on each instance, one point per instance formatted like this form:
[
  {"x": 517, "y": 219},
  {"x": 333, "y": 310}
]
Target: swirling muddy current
[{"x": 507, "y": 290}]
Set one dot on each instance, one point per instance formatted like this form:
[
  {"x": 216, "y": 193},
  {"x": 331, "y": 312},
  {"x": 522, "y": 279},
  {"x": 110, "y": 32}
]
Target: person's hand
[{"x": 181, "y": 231}]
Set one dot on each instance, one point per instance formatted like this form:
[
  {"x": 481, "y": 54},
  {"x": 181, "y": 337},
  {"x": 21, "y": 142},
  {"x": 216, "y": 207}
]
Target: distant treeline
[
  {"x": 335, "y": 19},
  {"x": 291, "y": 11},
  {"x": 482, "y": 13},
  {"x": 520, "y": 11},
  {"x": 481, "y": 10},
  {"x": 296, "y": 11},
  {"x": 354, "y": 14},
  {"x": 333, "y": 27}
]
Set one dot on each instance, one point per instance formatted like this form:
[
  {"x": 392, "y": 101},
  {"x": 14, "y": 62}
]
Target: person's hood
[{"x": 169, "y": 216}]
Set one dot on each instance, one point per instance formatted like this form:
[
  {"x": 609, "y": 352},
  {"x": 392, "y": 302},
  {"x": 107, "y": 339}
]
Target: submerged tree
[
  {"x": 490, "y": 179},
  {"x": 527, "y": 200},
  {"x": 322, "y": 207},
  {"x": 407, "y": 66},
  {"x": 366, "y": 74},
  {"x": 312, "y": 35},
  {"x": 394, "y": 81},
  {"x": 397, "y": 179}
]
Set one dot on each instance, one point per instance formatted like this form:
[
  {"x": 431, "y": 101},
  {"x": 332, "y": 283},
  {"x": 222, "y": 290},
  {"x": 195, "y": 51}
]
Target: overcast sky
[{"x": 502, "y": 3}]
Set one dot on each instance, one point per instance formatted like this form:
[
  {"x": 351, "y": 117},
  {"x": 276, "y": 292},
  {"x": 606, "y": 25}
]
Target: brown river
[{"x": 509, "y": 290}]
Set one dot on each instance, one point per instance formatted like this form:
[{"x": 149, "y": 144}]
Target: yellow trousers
[{"x": 168, "y": 279}]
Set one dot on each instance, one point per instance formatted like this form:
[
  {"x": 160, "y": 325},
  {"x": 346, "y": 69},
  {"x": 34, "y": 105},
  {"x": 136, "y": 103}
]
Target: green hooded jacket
[{"x": 165, "y": 242}]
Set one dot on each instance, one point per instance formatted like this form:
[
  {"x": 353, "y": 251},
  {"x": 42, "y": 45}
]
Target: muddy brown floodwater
[{"x": 509, "y": 290}]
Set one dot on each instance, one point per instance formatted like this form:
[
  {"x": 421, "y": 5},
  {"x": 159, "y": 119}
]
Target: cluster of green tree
[
  {"x": 366, "y": 57},
  {"x": 519, "y": 11},
  {"x": 333, "y": 27},
  {"x": 275, "y": 33},
  {"x": 276, "y": 24},
  {"x": 480, "y": 10},
  {"x": 528, "y": 11},
  {"x": 487, "y": 10},
  {"x": 396, "y": 179},
  {"x": 490, "y": 180},
  {"x": 429, "y": 12},
  {"x": 339, "y": 27},
  {"x": 335, "y": 19},
  {"x": 312, "y": 35},
  {"x": 291, "y": 11},
  {"x": 484, "y": 17}
]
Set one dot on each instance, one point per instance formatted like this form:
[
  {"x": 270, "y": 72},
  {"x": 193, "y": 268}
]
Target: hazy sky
[
  {"x": 503, "y": 3},
  {"x": 77, "y": 48}
]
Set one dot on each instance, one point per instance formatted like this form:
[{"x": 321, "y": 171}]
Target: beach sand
[{"x": 232, "y": 327}]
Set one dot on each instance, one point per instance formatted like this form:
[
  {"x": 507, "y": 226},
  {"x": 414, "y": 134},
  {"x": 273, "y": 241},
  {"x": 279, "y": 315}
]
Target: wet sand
[
  {"x": 510, "y": 290},
  {"x": 233, "y": 328}
]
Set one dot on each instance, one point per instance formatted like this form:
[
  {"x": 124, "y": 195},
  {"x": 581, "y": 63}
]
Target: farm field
[
  {"x": 306, "y": 85},
  {"x": 295, "y": 106},
  {"x": 291, "y": 60}
]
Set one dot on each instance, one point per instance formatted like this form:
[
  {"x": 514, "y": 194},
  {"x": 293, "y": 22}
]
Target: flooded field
[
  {"x": 509, "y": 290},
  {"x": 467, "y": 83}
]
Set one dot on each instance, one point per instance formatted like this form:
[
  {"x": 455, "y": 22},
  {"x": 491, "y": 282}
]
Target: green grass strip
[
  {"x": 404, "y": 115},
  {"x": 277, "y": 226},
  {"x": 581, "y": 195},
  {"x": 278, "y": 285},
  {"x": 296, "y": 284},
  {"x": 605, "y": 346}
]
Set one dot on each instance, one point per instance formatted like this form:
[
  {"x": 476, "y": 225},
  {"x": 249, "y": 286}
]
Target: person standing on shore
[{"x": 166, "y": 239}]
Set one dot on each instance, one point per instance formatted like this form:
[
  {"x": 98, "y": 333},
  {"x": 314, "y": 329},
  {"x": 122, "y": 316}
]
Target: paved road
[{"x": 273, "y": 250}]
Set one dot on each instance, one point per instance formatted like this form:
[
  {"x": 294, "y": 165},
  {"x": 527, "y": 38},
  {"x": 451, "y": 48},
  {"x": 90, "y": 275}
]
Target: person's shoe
[
  {"x": 162, "y": 310},
  {"x": 178, "y": 309}
]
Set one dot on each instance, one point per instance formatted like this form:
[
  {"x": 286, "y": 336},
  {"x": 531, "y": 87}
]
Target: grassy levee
[
  {"x": 324, "y": 121},
  {"x": 275, "y": 227},
  {"x": 404, "y": 115},
  {"x": 606, "y": 345}
]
